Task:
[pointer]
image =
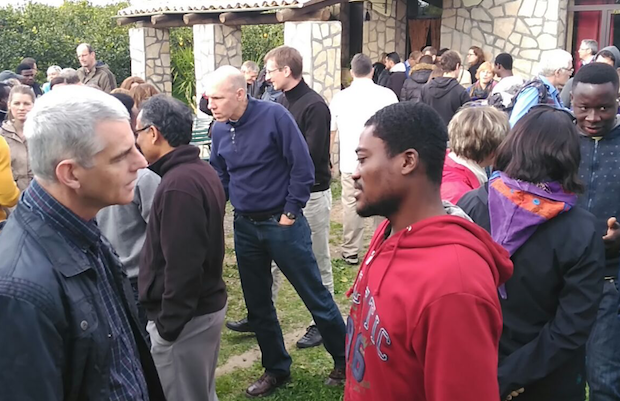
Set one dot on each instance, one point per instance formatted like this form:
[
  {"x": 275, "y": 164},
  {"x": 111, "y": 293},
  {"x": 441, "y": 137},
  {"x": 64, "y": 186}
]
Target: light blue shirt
[{"x": 529, "y": 98}]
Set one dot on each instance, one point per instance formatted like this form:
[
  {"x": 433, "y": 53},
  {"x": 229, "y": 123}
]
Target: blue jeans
[
  {"x": 603, "y": 348},
  {"x": 257, "y": 243}
]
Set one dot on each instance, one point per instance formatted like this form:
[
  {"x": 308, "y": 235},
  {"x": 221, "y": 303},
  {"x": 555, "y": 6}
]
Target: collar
[
  {"x": 474, "y": 167},
  {"x": 362, "y": 81},
  {"x": 180, "y": 155},
  {"x": 84, "y": 234},
  {"x": 246, "y": 114},
  {"x": 552, "y": 89},
  {"x": 399, "y": 67},
  {"x": 297, "y": 92}
]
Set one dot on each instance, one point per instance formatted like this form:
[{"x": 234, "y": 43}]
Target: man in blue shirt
[
  {"x": 265, "y": 166},
  {"x": 556, "y": 67}
]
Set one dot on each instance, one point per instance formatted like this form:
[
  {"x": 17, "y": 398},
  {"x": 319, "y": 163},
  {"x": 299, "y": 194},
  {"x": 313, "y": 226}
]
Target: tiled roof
[{"x": 207, "y": 6}]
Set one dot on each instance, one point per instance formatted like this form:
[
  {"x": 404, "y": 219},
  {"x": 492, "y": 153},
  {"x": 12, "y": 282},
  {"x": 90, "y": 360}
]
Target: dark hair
[
  {"x": 69, "y": 80},
  {"x": 126, "y": 100},
  {"x": 442, "y": 51},
  {"x": 597, "y": 74},
  {"x": 361, "y": 65},
  {"x": 171, "y": 117},
  {"x": 505, "y": 60},
  {"x": 450, "y": 60},
  {"x": 606, "y": 54},
  {"x": 408, "y": 125},
  {"x": 479, "y": 54},
  {"x": 29, "y": 61},
  {"x": 430, "y": 49},
  {"x": 542, "y": 146},
  {"x": 23, "y": 67},
  {"x": 394, "y": 57},
  {"x": 5, "y": 89},
  {"x": 286, "y": 56},
  {"x": 426, "y": 60}
]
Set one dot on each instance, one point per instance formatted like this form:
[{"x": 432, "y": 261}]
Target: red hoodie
[
  {"x": 456, "y": 180},
  {"x": 425, "y": 320}
]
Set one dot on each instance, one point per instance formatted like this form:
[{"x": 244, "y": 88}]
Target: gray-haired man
[{"x": 66, "y": 307}]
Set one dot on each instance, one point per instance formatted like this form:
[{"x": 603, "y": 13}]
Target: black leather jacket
[{"x": 54, "y": 333}]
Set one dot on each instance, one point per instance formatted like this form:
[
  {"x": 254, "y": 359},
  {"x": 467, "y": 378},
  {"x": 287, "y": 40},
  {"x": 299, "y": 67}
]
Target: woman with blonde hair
[
  {"x": 131, "y": 82},
  {"x": 141, "y": 93},
  {"x": 21, "y": 100},
  {"x": 484, "y": 82},
  {"x": 475, "y": 133}
]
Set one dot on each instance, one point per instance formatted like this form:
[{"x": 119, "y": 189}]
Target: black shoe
[
  {"x": 265, "y": 385},
  {"x": 351, "y": 260},
  {"x": 336, "y": 377},
  {"x": 240, "y": 326},
  {"x": 312, "y": 338}
]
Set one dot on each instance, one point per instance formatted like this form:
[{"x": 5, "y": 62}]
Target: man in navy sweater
[{"x": 267, "y": 172}]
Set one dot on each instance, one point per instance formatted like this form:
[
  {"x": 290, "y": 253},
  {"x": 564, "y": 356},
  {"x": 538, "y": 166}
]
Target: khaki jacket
[
  {"x": 19, "y": 155},
  {"x": 99, "y": 77},
  {"x": 9, "y": 194}
]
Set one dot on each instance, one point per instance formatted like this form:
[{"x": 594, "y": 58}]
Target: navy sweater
[{"x": 263, "y": 160}]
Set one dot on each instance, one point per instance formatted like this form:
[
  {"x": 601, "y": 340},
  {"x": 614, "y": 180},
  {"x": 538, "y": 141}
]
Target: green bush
[{"x": 257, "y": 40}]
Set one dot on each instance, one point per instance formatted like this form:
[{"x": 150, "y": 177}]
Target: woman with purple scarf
[{"x": 550, "y": 303}]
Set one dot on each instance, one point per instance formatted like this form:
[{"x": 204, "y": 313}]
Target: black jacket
[
  {"x": 54, "y": 327},
  {"x": 412, "y": 88},
  {"x": 384, "y": 77},
  {"x": 181, "y": 263},
  {"x": 553, "y": 299},
  {"x": 378, "y": 68},
  {"x": 313, "y": 118},
  {"x": 445, "y": 95}
]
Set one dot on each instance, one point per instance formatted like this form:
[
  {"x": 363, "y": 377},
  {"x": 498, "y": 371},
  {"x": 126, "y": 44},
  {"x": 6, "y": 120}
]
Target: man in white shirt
[
  {"x": 509, "y": 84},
  {"x": 350, "y": 109}
]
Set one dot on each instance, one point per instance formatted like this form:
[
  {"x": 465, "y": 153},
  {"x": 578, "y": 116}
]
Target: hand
[
  {"x": 285, "y": 221},
  {"x": 612, "y": 238},
  {"x": 515, "y": 394}
]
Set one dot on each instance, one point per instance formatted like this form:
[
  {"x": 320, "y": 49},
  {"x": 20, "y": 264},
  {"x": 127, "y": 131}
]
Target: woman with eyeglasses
[
  {"x": 475, "y": 58},
  {"x": 550, "y": 303}
]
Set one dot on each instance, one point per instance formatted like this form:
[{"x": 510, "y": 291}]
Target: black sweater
[
  {"x": 313, "y": 118},
  {"x": 553, "y": 298},
  {"x": 445, "y": 95},
  {"x": 181, "y": 263}
]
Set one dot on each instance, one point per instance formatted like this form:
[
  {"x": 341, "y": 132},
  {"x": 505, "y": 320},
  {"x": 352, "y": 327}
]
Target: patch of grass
[{"x": 336, "y": 187}]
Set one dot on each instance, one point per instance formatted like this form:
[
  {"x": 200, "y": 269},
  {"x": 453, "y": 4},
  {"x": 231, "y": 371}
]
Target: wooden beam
[
  {"x": 130, "y": 20},
  {"x": 300, "y": 14},
  {"x": 197, "y": 19},
  {"x": 167, "y": 21},
  {"x": 295, "y": 14},
  {"x": 247, "y": 18}
]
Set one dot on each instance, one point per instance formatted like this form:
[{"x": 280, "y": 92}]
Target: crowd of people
[{"x": 491, "y": 275}]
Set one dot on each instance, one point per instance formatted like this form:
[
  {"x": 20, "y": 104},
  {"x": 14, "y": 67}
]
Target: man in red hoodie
[{"x": 425, "y": 320}]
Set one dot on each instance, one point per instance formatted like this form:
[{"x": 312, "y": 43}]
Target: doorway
[{"x": 593, "y": 19}]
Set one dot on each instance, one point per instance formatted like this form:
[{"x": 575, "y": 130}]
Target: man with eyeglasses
[{"x": 555, "y": 69}]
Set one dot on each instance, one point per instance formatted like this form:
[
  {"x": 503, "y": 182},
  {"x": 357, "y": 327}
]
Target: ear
[
  {"x": 410, "y": 161},
  {"x": 155, "y": 136},
  {"x": 67, "y": 173},
  {"x": 287, "y": 71}
]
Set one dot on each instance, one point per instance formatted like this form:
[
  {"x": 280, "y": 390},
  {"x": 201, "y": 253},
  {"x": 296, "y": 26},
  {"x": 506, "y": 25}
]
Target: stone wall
[
  {"x": 523, "y": 28},
  {"x": 387, "y": 30},
  {"x": 215, "y": 45},
  {"x": 150, "y": 56}
]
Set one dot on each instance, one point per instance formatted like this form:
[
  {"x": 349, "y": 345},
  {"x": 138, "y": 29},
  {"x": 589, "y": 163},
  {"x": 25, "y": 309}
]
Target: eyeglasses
[
  {"x": 274, "y": 70},
  {"x": 143, "y": 128},
  {"x": 569, "y": 70}
]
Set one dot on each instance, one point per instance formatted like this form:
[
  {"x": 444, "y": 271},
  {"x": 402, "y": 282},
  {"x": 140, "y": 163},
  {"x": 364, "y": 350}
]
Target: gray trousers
[{"x": 186, "y": 367}]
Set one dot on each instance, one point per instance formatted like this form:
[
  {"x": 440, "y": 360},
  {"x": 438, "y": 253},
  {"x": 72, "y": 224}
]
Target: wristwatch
[{"x": 290, "y": 216}]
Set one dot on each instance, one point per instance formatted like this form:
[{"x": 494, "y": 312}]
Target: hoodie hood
[
  {"x": 614, "y": 50},
  {"x": 441, "y": 86},
  {"x": 400, "y": 67},
  {"x": 440, "y": 231}
]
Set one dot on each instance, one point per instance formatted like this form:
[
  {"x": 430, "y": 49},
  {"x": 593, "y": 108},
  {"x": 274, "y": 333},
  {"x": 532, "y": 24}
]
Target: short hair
[
  {"x": 486, "y": 66},
  {"x": 542, "y": 146},
  {"x": 505, "y": 60},
  {"x": 591, "y": 44},
  {"x": 479, "y": 54},
  {"x": 604, "y": 54},
  {"x": 426, "y": 60},
  {"x": 597, "y": 74},
  {"x": 63, "y": 125},
  {"x": 58, "y": 80},
  {"x": 450, "y": 61},
  {"x": 28, "y": 60},
  {"x": 89, "y": 47},
  {"x": 361, "y": 65},
  {"x": 429, "y": 49},
  {"x": 127, "y": 82},
  {"x": 476, "y": 132},
  {"x": 21, "y": 90},
  {"x": 142, "y": 92},
  {"x": 415, "y": 55},
  {"x": 171, "y": 117},
  {"x": 408, "y": 125},
  {"x": 442, "y": 51},
  {"x": 285, "y": 56},
  {"x": 394, "y": 57},
  {"x": 554, "y": 60},
  {"x": 71, "y": 75},
  {"x": 53, "y": 68},
  {"x": 250, "y": 66},
  {"x": 5, "y": 89},
  {"x": 23, "y": 67},
  {"x": 126, "y": 100}
]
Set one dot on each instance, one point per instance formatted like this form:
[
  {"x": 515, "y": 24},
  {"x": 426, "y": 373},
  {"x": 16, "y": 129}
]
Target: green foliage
[
  {"x": 257, "y": 40},
  {"x": 182, "y": 65},
  {"x": 51, "y": 35}
]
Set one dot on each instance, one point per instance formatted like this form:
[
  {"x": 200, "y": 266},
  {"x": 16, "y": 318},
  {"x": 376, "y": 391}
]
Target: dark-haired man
[
  {"x": 397, "y": 73},
  {"x": 5, "y": 89},
  {"x": 595, "y": 105},
  {"x": 180, "y": 276},
  {"x": 508, "y": 84},
  {"x": 28, "y": 72},
  {"x": 425, "y": 275}
]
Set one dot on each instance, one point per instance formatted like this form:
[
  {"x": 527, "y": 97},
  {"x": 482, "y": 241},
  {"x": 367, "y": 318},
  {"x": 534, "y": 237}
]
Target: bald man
[
  {"x": 92, "y": 73},
  {"x": 264, "y": 164}
]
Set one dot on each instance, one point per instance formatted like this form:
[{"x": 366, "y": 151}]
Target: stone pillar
[
  {"x": 215, "y": 45},
  {"x": 387, "y": 29},
  {"x": 150, "y": 56},
  {"x": 319, "y": 45}
]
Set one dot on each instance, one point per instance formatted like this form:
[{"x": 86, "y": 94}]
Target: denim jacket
[
  {"x": 600, "y": 172},
  {"x": 53, "y": 329}
]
